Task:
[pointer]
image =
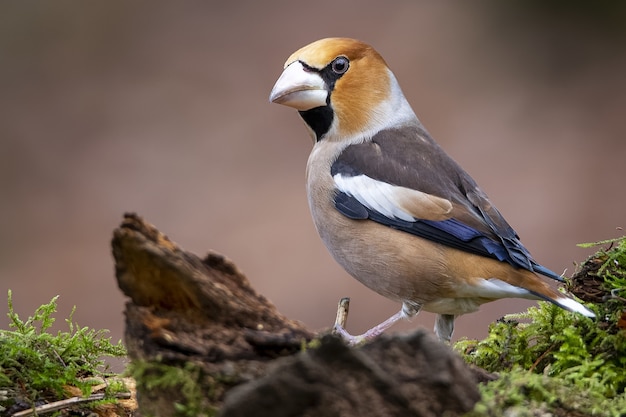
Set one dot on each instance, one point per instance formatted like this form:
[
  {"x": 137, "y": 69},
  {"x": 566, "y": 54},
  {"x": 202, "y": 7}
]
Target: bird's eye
[{"x": 340, "y": 65}]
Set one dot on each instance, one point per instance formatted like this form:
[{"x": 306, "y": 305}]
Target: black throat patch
[{"x": 321, "y": 118}]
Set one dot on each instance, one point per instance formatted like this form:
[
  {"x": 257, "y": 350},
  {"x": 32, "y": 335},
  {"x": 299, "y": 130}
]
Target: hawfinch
[{"x": 394, "y": 210}]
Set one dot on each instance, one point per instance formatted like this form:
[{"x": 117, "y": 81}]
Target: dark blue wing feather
[
  {"x": 350, "y": 207},
  {"x": 451, "y": 232}
]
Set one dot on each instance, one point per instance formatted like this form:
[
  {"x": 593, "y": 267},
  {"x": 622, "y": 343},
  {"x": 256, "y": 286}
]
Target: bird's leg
[
  {"x": 444, "y": 326},
  {"x": 371, "y": 333},
  {"x": 408, "y": 310}
]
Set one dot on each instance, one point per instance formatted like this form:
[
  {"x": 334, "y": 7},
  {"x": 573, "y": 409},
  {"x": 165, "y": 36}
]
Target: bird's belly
[
  {"x": 400, "y": 266},
  {"x": 395, "y": 264},
  {"x": 455, "y": 306}
]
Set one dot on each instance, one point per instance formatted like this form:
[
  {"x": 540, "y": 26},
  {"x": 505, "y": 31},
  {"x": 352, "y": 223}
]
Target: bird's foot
[
  {"x": 371, "y": 333},
  {"x": 347, "y": 337}
]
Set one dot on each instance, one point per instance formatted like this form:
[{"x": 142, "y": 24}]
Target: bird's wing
[{"x": 404, "y": 180}]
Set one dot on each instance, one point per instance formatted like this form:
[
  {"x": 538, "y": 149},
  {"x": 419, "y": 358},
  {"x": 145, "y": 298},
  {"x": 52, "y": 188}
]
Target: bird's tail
[
  {"x": 556, "y": 297},
  {"x": 566, "y": 303},
  {"x": 541, "y": 290}
]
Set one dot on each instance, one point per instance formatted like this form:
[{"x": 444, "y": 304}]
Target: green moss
[
  {"x": 36, "y": 365},
  {"x": 185, "y": 382},
  {"x": 550, "y": 359},
  {"x": 522, "y": 393}
]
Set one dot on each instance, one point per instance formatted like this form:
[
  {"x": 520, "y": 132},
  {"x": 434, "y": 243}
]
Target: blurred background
[{"x": 161, "y": 108}]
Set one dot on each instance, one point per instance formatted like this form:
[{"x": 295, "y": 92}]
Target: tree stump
[{"x": 202, "y": 341}]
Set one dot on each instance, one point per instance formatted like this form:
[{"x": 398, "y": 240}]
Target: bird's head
[{"x": 342, "y": 88}]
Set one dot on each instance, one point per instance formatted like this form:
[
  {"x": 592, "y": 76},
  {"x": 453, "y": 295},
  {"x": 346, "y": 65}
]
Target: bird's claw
[{"x": 348, "y": 338}]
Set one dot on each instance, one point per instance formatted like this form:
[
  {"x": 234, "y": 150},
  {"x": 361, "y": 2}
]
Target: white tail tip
[{"x": 575, "y": 306}]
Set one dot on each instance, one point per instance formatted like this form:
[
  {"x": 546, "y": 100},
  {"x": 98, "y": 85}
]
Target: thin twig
[
  {"x": 540, "y": 358},
  {"x": 58, "y": 405},
  {"x": 342, "y": 312}
]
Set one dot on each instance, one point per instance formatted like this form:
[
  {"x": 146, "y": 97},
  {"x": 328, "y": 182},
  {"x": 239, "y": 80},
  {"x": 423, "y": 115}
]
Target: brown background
[{"x": 161, "y": 108}]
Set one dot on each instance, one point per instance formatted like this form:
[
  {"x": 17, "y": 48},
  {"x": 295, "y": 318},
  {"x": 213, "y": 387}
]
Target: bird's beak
[{"x": 300, "y": 88}]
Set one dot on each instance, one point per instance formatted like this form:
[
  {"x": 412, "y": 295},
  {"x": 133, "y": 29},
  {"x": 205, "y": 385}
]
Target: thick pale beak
[{"x": 299, "y": 88}]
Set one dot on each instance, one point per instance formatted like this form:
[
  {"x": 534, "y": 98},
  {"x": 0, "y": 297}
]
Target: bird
[{"x": 392, "y": 208}]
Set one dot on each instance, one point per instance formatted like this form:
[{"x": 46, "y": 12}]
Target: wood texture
[{"x": 202, "y": 316}]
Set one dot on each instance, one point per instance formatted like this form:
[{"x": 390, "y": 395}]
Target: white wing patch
[
  {"x": 373, "y": 194},
  {"x": 393, "y": 201}
]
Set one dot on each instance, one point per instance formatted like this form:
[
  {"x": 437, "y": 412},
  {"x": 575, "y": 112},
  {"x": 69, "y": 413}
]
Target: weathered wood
[
  {"x": 201, "y": 317},
  {"x": 412, "y": 375}
]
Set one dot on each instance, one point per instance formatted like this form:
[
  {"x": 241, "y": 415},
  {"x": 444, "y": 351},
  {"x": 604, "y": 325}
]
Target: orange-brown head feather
[{"x": 359, "y": 93}]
